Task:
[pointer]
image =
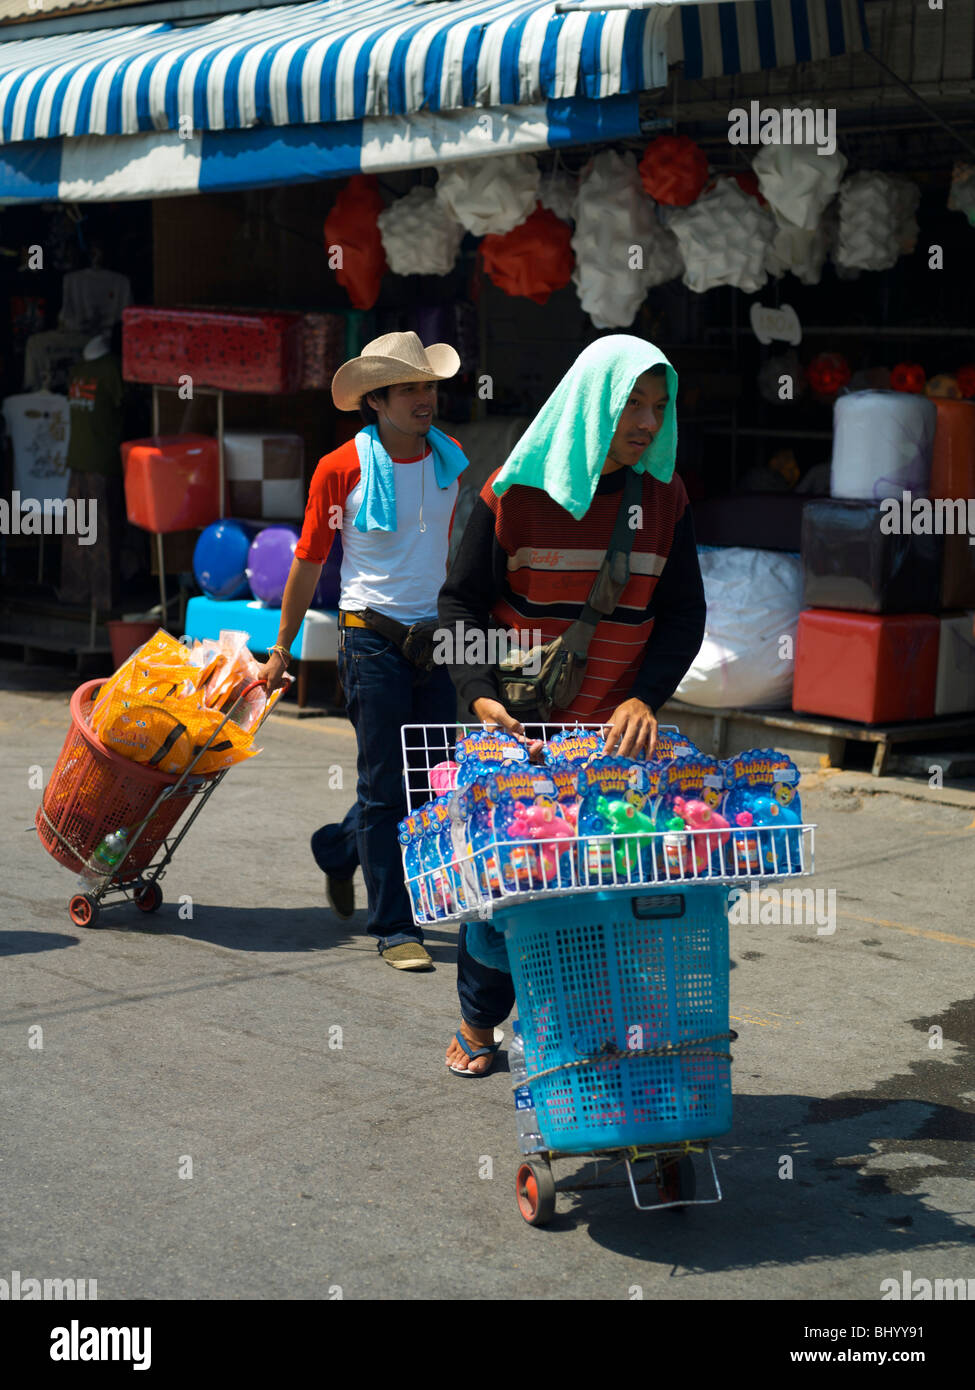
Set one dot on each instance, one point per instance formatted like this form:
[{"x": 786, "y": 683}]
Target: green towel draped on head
[{"x": 564, "y": 448}]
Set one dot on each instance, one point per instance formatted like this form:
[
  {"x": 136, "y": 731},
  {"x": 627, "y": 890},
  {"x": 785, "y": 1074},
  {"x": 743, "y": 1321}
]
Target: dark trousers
[
  {"x": 486, "y": 996},
  {"x": 383, "y": 691}
]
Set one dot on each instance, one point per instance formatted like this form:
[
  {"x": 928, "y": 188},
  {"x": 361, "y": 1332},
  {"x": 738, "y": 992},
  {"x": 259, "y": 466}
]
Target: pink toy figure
[
  {"x": 746, "y": 846},
  {"x": 443, "y": 777},
  {"x": 698, "y": 815},
  {"x": 541, "y": 822}
]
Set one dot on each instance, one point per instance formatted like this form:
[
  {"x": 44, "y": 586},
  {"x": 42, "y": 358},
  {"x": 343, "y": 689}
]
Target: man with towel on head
[
  {"x": 599, "y": 456},
  {"x": 391, "y": 491}
]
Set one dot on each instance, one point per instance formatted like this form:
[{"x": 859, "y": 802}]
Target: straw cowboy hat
[{"x": 388, "y": 361}]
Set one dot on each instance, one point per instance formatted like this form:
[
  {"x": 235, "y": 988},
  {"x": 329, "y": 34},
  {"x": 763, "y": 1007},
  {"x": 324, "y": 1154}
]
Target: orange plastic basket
[{"x": 94, "y": 791}]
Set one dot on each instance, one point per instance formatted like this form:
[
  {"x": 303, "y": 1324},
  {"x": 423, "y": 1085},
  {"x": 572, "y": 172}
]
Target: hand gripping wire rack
[{"x": 619, "y": 955}]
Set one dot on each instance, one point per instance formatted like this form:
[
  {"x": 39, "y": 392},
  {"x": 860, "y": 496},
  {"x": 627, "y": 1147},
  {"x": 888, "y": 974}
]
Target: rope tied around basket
[{"x": 610, "y": 1052}]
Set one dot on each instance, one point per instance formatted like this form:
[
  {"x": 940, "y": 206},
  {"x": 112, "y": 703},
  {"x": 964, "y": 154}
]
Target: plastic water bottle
[
  {"x": 104, "y": 859},
  {"x": 529, "y": 1139}
]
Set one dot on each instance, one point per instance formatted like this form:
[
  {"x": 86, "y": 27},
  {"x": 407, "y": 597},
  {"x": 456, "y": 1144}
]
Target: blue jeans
[
  {"x": 487, "y": 995},
  {"x": 383, "y": 691}
]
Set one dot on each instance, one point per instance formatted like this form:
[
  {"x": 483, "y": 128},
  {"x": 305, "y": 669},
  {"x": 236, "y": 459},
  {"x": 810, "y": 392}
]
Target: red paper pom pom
[
  {"x": 532, "y": 260},
  {"x": 965, "y": 376},
  {"x": 674, "y": 170},
  {"x": 747, "y": 181},
  {"x": 828, "y": 373},
  {"x": 352, "y": 225},
  {"x": 908, "y": 376}
]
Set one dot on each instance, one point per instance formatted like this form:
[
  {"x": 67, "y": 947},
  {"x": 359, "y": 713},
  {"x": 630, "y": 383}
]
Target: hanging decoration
[
  {"x": 781, "y": 379},
  {"x": 558, "y": 191},
  {"x": 674, "y": 170},
  {"x": 419, "y": 235},
  {"x": 908, "y": 197},
  {"x": 965, "y": 376},
  {"x": 490, "y": 195},
  {"x": 943, "y": 387},
  {"x": 798, "y": 182},
  {"x": 875, "y": 221},
  {"x": 724, "y": 238},
  {"x": 909, "y": 377},
  {"x": 620, "y": 246},
  {"x": 828, "y": 373},
  {"x": 534, "y": 259},
  {"x": 351, "y": 228},
  {"x": 961, "y": 197},
  {"x": 802, "y": 252}
]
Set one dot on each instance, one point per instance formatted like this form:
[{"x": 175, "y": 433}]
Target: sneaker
[
  {"x": 340, "y": 893},
  {"x": 410, "y": 955}
]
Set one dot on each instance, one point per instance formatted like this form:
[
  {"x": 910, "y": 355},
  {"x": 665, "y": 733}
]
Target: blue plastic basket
[{"x": 605, "y": 974}]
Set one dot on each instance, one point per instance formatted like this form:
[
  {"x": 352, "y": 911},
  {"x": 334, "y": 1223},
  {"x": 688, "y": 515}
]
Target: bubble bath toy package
[
  {"x": 763, "y": 802},
  {"x": 472, "y": 835},
  {"x": 615, "y": 802},
  {"x": 410, "y": 832},
  {"x": 486, "y": 750},
  {"x": 691, "y": 794},
  {"x": 532, "y": 836},
  {"x": 433, "y": 818}
]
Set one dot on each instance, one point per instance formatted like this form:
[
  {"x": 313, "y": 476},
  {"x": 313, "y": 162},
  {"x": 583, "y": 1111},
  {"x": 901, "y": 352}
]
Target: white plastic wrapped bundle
[
  {"x": 490, "y": 195},
  {"x": 724, "y": 238},
  {"x": 419, "y": 235},
  {"x": 753, "y": 599},
  {"x": 558, "y": 191},
  {"x": 872, "y": 218},
  {"x": 882, "y": 442},
  {"x": 798, "y": 182},
  {"x": 613, "y": 215}
]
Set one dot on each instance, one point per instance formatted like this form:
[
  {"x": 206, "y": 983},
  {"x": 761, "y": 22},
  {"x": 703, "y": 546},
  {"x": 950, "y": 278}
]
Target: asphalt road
[{"x": 366, "y": 1168}]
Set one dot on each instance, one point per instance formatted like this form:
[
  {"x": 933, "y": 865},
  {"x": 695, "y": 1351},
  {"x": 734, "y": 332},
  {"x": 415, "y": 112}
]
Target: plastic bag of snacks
[{"x": 168, "y": 699}]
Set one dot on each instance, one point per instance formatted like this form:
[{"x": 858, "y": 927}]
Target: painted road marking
[{"x": 911, "y": 931}]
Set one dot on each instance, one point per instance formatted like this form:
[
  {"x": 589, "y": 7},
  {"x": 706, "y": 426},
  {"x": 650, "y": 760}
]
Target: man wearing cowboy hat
[{"x": 391, "y": 491}]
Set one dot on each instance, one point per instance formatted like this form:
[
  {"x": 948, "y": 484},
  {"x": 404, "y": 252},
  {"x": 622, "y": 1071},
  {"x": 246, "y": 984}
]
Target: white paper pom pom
[
  {"x": 797, "y": 250},
  {"x": 558, "y": 192},
  {"x": 419, "y": 235},
  {"x": 797, "y": 182},
  {"x": 618, "y": 242},
  {"x": 724, "y": 238},
  {"x": 490, "y": 195},
  {"x": 872, "y": 222}
]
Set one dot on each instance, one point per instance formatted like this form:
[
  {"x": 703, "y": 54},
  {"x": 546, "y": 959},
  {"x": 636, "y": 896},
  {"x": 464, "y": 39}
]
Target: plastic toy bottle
[
  {"x": 529, "y": 1139},
  {"x": 104, "y": 860}
]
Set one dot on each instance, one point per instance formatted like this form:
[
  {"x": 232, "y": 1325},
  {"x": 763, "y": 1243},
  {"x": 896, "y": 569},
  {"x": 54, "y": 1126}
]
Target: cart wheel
[
  {"x": 83, "y": 910},
  {"x": 535, "y": 1192},
  {"x": 677, "y": 1181},
  {"x": 149, "y": 897}
]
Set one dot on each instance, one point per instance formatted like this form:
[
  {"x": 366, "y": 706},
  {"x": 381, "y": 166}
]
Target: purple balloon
[{"x": 269, "y": 562}]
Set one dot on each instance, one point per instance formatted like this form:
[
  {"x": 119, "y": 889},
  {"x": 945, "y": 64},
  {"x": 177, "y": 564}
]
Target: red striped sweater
[{"x": 525, "y": 563}]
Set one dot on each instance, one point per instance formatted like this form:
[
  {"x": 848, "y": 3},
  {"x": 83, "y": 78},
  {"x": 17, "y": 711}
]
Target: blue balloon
[{"x": 220, "y": 558}]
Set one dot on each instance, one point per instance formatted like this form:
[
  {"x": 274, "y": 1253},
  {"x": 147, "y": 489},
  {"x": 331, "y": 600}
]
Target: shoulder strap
[{"x": 614, "y": 572}]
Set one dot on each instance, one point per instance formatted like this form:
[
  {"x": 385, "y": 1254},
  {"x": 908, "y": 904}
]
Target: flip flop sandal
[{"x": 490, "y": 1050}]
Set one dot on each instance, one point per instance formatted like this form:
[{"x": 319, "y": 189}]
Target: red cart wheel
[
  {"x": 149, "y": 897},
  {"x": 83, "y": 910},
  {"x": 535, "y": 1192},
  {"x": 676, "y": 1180}
]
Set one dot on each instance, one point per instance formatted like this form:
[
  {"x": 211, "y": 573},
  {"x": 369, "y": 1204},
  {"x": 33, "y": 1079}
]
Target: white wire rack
[{"x": 467, "y": 883}]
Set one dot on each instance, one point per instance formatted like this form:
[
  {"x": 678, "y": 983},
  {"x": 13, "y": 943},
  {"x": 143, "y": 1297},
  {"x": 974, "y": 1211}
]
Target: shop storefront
[{"x": 489, "y": 174}]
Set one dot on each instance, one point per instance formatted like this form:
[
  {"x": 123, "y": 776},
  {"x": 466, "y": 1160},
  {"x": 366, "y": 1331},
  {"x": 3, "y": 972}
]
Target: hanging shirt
[
  {"x": 95, "y": 400},
  {"x": 94, "y": 299},
  {"x": 38, "y": 427},
  {"x": 398, "y": 573},
  {"x": 49, "y": 358}
]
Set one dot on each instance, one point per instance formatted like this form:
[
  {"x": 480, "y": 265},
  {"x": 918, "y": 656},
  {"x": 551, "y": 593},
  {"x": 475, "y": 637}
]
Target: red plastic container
[
  {"x": 953, "y": 455},
  {"x": 871, "y": 668},
  {"x": 93, "y": 791},
  {"x": 234, "y": 350},
  {"x": 172, "y": 483}
]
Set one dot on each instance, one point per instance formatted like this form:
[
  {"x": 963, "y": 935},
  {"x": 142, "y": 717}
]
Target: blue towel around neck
[{"x": 378, "y": 509}]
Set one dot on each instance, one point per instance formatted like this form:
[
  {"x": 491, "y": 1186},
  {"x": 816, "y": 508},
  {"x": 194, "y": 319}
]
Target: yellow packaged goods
[{"x": 165, "y": 703}]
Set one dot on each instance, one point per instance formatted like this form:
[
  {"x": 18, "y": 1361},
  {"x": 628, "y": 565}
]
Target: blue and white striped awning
[{"x": 332, "y": 87}]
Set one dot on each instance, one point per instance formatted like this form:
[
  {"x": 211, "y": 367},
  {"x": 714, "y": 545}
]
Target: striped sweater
[{"x": 525, "y": 563}]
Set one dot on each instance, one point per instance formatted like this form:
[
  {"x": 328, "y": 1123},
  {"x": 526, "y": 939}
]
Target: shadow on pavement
[{"x": 27, "y": 943}]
